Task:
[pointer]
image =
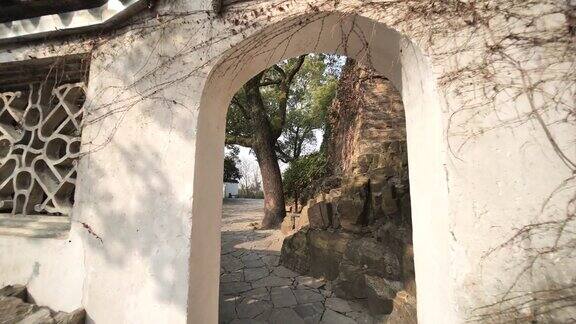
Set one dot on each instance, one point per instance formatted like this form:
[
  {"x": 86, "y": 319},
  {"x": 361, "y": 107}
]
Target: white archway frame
[{"x": 393, "y": 56}]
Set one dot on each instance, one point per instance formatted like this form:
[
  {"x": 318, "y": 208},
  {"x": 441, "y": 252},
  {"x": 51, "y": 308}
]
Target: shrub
[{"x": 303, "y": 173}]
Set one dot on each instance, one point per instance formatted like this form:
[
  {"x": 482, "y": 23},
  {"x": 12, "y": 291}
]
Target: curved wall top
[
  {"x": 78, "y": 21},
  {"x": 319, "y": 33}
]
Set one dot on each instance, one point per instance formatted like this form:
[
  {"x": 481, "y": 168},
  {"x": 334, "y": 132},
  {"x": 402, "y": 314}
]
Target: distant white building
[{"x": 230, "y": 189}]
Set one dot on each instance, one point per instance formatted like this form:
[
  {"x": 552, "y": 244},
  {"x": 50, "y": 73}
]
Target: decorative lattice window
[{"x": 40, "y": 127}]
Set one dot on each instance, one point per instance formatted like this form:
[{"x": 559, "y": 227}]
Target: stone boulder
[
  {"x": 326, "y": 251},
  {"x": 295, "y": 253},
  {"x": 376, "y": 258},
  {"x": 351, "y": 212},
  {"x": 380, "y": 294},
  {"x": 409, "y": 273},
  {"x": 334, "y": 198},
  {"x": 365, "y": 256},
  {"x": 350, "y": 283},
  {"x": 406, "y": 210},
  {"x": 352, "y": 203},
  {"x": 396, "y": 238},
  {"x": 319, "y": 214},
  {"x": 302, "y": 219},
  {"x": 288, "y": 224},
  {"x": 382, "y": 196},
  {"x": 15, "y": 309},
  {"x": 404, "y": 309},
  {"x": 18, "y": 291},
  {"x": 366, "y": 196},
  {"x": 40, "y": 316},
  {"x": 76, "y": 317}
]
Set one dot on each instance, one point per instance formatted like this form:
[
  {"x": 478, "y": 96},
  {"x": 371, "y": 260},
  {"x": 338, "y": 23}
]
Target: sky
[{"x": 245, "y": 154}]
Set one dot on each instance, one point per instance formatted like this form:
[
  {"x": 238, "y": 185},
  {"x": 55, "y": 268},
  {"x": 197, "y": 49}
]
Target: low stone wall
[
  {"x": 358, "y": 232},
  {"x": 366, "y": 258},
  {"x": 15, "y": 307}
]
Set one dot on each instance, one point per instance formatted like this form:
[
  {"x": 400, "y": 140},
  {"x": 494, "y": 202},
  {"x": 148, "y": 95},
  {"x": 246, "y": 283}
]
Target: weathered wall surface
[
  {"x": 489, "y": 94},
  {"x": 367, "y": 124},
  {"x": 357, "y": 229}
]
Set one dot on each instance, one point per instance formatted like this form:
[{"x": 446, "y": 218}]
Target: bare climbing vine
[{"x": 505, "y": 64}]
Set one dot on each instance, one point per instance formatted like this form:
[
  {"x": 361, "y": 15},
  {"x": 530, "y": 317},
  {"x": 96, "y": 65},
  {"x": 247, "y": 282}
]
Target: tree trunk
[
  {"x": 263, "y": 142},
  {"x": 274, "y": 205},
  {"x": 296, "y": 197}
]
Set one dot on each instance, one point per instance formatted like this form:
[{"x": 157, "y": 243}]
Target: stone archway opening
[
  {"x": 344, "y": 249},
  {"x": 389, "y": 54},
  {"x": 355, "y": 231}
]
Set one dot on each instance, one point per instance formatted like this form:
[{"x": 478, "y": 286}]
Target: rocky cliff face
[
  {"x": 367, "y": 126},
  {"x": 357, "y": 230}
]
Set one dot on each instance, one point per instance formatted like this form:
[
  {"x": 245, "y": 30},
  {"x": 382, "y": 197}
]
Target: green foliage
[
  {"x": 310, "y": 94},
  {"x": 250, "y": 193},
  {"x": 321, "y": 98},
  {"x": 237, "y": 124},
  {"x": 231, "y": 171},
  {"x": 302, "y": 173}
]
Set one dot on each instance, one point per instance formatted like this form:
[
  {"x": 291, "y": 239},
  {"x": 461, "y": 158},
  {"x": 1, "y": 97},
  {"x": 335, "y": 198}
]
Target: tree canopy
[
  {"x": 302, "y": 173},
  {"x": 275, "y": 113},
  {"x": 231, "y": 171},
  {"x": 294, "y": 110}
]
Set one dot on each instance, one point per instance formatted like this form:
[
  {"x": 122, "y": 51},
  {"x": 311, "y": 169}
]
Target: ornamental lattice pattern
[{"x": 39, "y": 148}]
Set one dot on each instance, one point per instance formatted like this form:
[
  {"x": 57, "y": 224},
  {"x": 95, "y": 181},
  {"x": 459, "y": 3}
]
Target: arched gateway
[
  {"x": 393, "y": 56},
  {"x": 488, "y": 89}
]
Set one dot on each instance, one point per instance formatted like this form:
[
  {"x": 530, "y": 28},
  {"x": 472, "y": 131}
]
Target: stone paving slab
[
  {"x": 282, "y": 297},
  {"x": 310, "y": 313},
  {"x": 272, "y": 281},
  {"x": 254, "y": 288},
  {"x": 232, "y": 277},
  {"x": 284, "y": 272},
  {"x": 284, "y": 316},
  {"x": 310, "y": 281},
  {"x": 227, "y": 309},
  {"x": 229, "y": 288},
  {"x": 253, "y": 263},
  {"x": 253, "y": 274},
  {"x": 338, "y": 305},
  {"x": 250, "y": 308},
  {"x": 332, "y": 317},
  {"x": 305, "y": 296},
  {"x": 258, "y": 293}
]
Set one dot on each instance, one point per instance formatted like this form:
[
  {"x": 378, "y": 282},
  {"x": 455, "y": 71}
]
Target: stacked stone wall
[
  {"x": 367, "y": 124},
  {"x": 357, "y": 231}
]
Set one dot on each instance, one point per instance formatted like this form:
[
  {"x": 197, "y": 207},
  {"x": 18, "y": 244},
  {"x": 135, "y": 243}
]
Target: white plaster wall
[
  {"x": 126, "y": 259},
  {"x": 136, "y": 194},
  {"x": 150, "y": 186},
  {"x": 52, "y": 269},
  {"x": 427, "y": 157}
]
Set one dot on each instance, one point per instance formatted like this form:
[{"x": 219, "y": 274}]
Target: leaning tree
[{"x": 274, "y": 114}]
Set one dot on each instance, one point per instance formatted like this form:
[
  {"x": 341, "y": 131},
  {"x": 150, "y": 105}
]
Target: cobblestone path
[{"x": 254, "y": 288}]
